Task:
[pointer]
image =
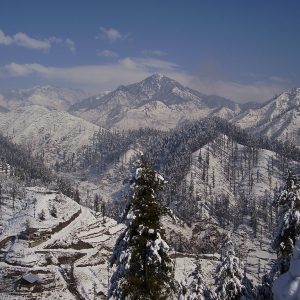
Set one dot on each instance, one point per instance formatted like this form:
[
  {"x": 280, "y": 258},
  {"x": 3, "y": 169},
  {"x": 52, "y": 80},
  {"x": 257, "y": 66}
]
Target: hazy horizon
[{"x": 240, "y": 51}]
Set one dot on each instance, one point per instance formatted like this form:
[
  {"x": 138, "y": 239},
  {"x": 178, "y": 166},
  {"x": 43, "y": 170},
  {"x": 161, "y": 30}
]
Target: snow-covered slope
[
  {"x": 248, "y": 178},
  {"x": 48, "y": 96},
  {"x": 226, "y": 168},
  {"x": 67, "y": 246},
  {"x": 55, "y": 135},
  {"x": 278, "y": 118},
  {"x": 67, "y": 250},
  {"x": 157, "y": 101},
  {"x": 224, "y": 113}
]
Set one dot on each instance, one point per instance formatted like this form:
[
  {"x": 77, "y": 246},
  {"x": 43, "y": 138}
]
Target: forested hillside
[{"x": 25, "y": 165}]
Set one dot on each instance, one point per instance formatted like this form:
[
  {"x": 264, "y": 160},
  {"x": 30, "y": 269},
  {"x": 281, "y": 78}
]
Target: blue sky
[{"x": 243, "y": 50}]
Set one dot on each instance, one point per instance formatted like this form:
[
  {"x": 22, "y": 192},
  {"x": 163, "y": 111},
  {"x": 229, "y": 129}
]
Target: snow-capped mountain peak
[
  {"x": 156, "y": 101},
  {"x": 156, "y": 87},
  {"x": 278, "y": 118}
]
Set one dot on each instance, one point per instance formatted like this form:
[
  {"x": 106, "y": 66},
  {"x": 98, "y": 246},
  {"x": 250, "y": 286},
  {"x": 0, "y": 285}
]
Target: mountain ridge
[
  {"x": 49, "y": 96},
  {"x": 278, "y": 118},
  {"x": 151, "y": 101}
]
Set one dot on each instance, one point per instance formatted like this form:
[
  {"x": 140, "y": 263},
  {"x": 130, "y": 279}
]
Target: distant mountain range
[
  {"x": 54, "y": 135},
  {"x": 162, "y": 103},
  {"x": 47, "y": 96}
]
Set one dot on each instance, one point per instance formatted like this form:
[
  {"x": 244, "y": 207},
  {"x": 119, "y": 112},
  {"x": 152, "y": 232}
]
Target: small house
[{"x": 28, "y": 282}]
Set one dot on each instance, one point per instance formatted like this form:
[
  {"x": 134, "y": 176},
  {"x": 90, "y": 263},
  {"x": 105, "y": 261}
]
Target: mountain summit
[
  {"x": 154, "y": 88},
  {"x": 157, "y": 101}
]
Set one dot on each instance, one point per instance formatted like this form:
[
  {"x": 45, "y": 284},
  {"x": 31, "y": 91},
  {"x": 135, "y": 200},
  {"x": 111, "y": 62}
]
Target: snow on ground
[
  {"x": 73, "y": 252},
  {"x": 160, "y": 116},
  {"x": 185, "y": 265},
  {"x": 72, "y": 260},
  {"x": 278, "y": 118},
  {"x": 263, "y": 173},
  {"x": 55, "y": 134},
  {"x": 28, "y": 211}
]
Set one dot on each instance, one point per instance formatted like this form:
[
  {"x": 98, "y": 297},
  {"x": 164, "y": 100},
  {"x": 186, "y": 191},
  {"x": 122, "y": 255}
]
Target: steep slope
[
  {"x": 157, "y": 102},
  {"x": 278, "y": 118},
  {"x": 224, "y": 168},
  {"x": 16, "y": 161},
  {"x": 47, "y": 96},
  {"x": 235, "y": 185},
  {"x": 53, "y": 135}
]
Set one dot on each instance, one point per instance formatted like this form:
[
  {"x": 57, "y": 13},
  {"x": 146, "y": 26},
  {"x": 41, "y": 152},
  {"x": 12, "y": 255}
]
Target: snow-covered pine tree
[
  {"x": 144, "y": 268},
  {"x": 288, "y": 224},
  {"x": 197, "y": 287},
  {"x": 229, "y": 279}
]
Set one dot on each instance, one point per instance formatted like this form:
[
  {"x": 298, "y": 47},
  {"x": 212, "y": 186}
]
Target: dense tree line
[
  {"x": 26, "y": 166},
  {"x": 169, "y": 150},
  {"x": 30, "y": 169}
]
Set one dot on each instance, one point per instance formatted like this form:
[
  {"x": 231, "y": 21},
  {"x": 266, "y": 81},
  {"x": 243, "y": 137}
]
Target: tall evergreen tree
[
  {"x": 231, "y": 284},
  {"x": 144, "y": 269},
  {"x": 197, "y": 288},
  {"x": 288, "y": 224}
]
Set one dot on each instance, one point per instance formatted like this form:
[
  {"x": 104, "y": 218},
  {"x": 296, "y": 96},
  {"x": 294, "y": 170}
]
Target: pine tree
[
  {"x": 144, "y": 269},
  {"x": 97, "y": 201},
  {"x": 53, "y": 211},
  {"x": 288, "y": 225},
  {"x": 264, "y": 291},
  {"x": 231, "y": 284},
  {"x": 42, "y": 215},
  {"x": 197, "y": 287},
  {"x": 76, "y": 196}
]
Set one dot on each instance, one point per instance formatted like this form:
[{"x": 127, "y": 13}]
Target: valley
[{"x": 224, "y": 163}]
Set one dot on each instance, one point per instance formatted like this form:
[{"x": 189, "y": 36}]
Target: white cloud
[
  {"x": 112, "y": 34},
  {"x": 129, "y": 70},
  {"x": 153, "y": 53},
  {"x": 256, "y": 91},
  {"x": 96, "y": 77},
  {"x": 22, "y": 70},
  {"x": 107, "y": 53},
  {"x": 5, "y": 39},
  {"x": 23, "y": 40}
]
